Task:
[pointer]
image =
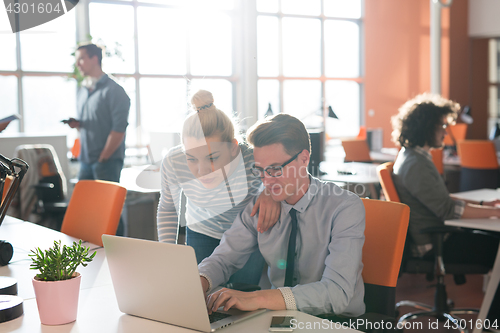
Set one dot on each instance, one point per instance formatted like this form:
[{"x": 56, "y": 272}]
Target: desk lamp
[
  {"x": 331, "y": 114},
  {"x": 269, "y": 112},
  {"x": 11, "y": 306}
]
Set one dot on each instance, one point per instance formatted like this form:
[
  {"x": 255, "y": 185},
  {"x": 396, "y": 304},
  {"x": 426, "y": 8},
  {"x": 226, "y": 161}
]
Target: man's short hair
[
  {"x": 281, "y": 128},
  {"x": 419, "y": 118},
  {"x": 92, "y": 51}
]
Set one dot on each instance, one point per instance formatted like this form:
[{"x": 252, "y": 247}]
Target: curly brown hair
[{"x": 418, "y": 119}]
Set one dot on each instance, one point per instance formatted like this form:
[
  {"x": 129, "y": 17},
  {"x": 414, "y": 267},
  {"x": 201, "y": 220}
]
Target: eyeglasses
[{"x": 273, "y": 171}]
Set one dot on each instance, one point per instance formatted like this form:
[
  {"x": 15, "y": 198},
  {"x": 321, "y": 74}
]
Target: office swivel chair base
[
  {"x": 449, "y": 315},
  {"x": 441, "y": 310}
]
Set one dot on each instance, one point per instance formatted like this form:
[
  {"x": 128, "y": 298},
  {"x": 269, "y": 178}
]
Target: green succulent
[{"x": 60, "y": 262}]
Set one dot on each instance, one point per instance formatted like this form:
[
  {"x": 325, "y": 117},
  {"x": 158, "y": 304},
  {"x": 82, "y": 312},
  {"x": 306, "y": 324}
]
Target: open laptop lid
[{"x": 157, "y": 281}]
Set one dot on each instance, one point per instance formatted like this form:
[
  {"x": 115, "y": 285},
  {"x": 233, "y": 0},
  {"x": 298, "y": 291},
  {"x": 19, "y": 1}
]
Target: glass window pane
[
  {"x": 165, "y": 52},
  {"x": 267, "y": 46},
  {"x": 128, "y": 83},
  {"x": 163, "y": 105},
  {"x": 8, "y": 96},
  {"x": 302, "y": 99},
  {"x": 301, "y": 7},
  {"x": 48, "y": 47},
  {"x": 344, "y": 97},
  {"x": 115, "y": 34},
  {"x": 301, "y": 47},
  {"x": 210, "y": 44},
  {"x": 341, "y": 49},
  {"x": 59, "y": 102},
  {"x": 196, "y": 4},
  {"x": 222, "y": 90},
  {"x": 8, "y": 42},
  {"x": 268, "y": 92},
  {"x": 267, "y": 6},
  {"x": 343, "y": 8}
]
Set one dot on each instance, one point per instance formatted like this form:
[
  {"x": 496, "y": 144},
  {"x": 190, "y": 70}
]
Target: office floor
[{"x": 416, "y": 288}]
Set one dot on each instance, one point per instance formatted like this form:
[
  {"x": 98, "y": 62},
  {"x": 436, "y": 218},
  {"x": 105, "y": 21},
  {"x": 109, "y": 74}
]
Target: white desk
[
  {"x": 482, "y": 224},
  {"x": 97, "y": 308},
  {"x": 364, "y": 174},
  {"x": 384, "y": 155}
]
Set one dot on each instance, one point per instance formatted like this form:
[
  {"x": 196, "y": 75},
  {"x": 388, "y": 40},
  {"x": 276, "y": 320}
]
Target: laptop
[{"x": 161, "y": 282}]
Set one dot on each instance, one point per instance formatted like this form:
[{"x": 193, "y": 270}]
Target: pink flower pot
[{"x": 57, "y": 301}]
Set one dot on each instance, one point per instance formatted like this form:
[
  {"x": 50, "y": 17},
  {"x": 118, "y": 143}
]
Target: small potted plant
[{"x": 57, "y": 286}]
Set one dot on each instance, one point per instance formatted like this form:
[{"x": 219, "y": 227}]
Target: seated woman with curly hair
[{"x": 419, "y": 126}]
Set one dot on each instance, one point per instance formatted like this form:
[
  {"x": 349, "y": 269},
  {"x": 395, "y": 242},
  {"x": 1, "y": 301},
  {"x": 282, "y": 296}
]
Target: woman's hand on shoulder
[{"x": 268, "y": 211}]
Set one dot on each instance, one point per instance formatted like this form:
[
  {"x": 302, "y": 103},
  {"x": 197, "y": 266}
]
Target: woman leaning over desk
[{"x": 212, "y": 169}]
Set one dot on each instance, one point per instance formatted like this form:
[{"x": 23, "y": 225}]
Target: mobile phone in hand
[
  {"x": 67, "y": 121},
  {"x": 281, "y": 324}
]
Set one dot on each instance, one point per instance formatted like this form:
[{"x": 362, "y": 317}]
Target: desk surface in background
[
  {"x": 97, "y": 310},
  {"x": 365, "y": 173},
  {"x": 478, "y": 195},
  {"x": 148, "y": 176},
  {"x": 482, "y": 224}
]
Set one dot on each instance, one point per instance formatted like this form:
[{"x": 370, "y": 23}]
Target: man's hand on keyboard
[{"x": 245, "y": 301}]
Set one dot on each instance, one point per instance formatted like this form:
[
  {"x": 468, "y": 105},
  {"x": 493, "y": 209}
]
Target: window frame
[{"x": 322, "y": 78}]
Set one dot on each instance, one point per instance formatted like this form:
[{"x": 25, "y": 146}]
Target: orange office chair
[
  {"x": 356, "y": 151},
  {"x": 456, "y": 132},
  {"x": 385, "y": 235},
  {"x": 437, "y": 158},
  {"x": 432, "y": 267},
  {"x": 386, "y": 224},
  {"x": 479, "y": 163},
  {"x": 362, "y": 133},
  {"x": 75, "y": 150},
  {"x": 94, "y": 209},
  {"x": 384, "y": 172}
]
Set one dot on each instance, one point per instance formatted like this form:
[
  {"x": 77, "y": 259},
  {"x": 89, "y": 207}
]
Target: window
[
  {"x": 309, "y": 58},
  {"x": 299, "y": 57},
  {"x": 180, "y": 47},
  {"x": 37, "y": 86}
]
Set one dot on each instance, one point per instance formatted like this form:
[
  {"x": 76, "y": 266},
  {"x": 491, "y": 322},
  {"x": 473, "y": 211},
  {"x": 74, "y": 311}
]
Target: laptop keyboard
[{"x": 216, "y": 316}]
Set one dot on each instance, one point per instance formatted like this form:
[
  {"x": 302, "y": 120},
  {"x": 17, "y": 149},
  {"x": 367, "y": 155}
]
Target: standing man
[
  {"x": 102, "y": 111},
  {"x": 313, "y": 251}
]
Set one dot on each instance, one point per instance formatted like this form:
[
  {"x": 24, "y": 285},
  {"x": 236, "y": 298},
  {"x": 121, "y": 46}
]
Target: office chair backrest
[
  {"x": 385, "y": 235},
  {"x": 477, "y": 154},
  {"x": 384, "y": 172},
  {"x": 437, "y": 158},
  {"x": 479, "y": 163},
  {"x": 457, "y": 132},
  {"x": 94, "y": 209},
  {"x": 43, "y": 162},
  {"x": 356, "y": 151},
  {"x": 362, "y": 135},
  {"x": 75, "y": 150}
]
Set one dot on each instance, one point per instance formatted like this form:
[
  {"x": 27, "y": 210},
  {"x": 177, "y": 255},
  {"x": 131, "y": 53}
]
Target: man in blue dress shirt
[
  {"x": 103, "y": 109},
  {"x": 322, "y": 273}
]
